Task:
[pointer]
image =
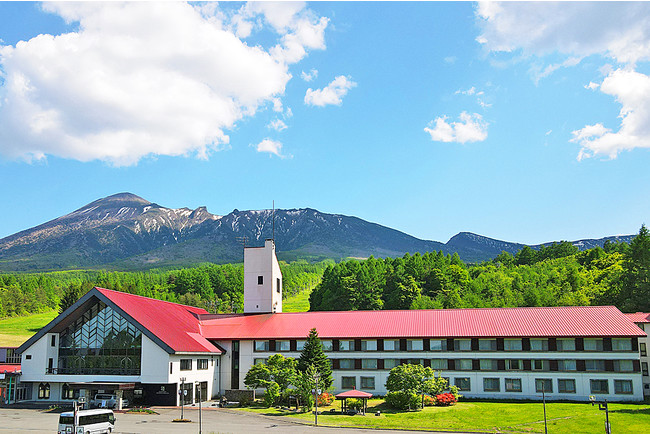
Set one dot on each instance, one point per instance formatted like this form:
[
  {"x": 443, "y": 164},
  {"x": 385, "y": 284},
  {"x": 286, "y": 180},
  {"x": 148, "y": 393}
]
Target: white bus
[{"x": 90, "y": 422}]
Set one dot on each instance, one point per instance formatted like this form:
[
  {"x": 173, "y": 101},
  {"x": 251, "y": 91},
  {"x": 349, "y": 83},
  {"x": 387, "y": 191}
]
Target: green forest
[
  {"x": 555, "y": 275},
  {"x": 217, "y": 288}
]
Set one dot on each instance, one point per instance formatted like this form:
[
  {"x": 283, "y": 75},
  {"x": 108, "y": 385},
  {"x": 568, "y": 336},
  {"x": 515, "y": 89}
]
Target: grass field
[
  {"x": 496, "y": 417},
  {"x": 16, "y": 330},
  {"x": 297, "y": 303}
]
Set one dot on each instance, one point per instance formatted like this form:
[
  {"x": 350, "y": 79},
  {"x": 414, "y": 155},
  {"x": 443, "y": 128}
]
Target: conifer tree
[{"x": 313, "y": 354}]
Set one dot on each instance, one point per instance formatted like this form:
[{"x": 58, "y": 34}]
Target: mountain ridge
[{"x": 125, "y": 231}]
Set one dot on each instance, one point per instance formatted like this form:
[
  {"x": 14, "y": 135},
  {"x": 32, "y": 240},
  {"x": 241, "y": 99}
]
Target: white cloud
[
  {"x": 592, "y": 86},
  {"x": 272, "y": 147},
  {"x": 470, "y": 91},
  {"x": 450, "y": 60},
  {"x": 277, "y": 125},
  {"x": 620, "y": 30},
  {"x": 549, "y": 69},
  {"x": 140, "y": 79},
  {"x": 469, "y": 128},
  {"x": 309, "y": 76},
  {"x": 632, "y": 90},
  {"x": 332, "y": 94}
]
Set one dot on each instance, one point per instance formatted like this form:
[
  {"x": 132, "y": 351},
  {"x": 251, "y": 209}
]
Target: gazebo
[{"x": 356, "y": 394}]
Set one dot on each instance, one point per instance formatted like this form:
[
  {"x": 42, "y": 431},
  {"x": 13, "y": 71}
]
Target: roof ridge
[{"x": 100, "y": 289}]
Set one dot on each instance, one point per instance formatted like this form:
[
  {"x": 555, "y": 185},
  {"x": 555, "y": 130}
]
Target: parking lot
[{"x": 214, "y": 421}]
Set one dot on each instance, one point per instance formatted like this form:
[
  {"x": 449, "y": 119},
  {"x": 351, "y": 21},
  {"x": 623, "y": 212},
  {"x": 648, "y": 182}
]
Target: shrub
[
  {"x": 272, "y": 394},
  {"x": 325, "y": 399},
  {"x": 445, "y": 399},
  {"x": 429, "y": 401},
  {"x": 355, "y": 404},
  {"x": 402, "y": 400}
]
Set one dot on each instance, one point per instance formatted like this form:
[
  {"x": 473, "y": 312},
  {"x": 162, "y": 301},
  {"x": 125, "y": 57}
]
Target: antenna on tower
[
  {"x": 242, "y": 240},
  {"x": 273, "y": 222}
]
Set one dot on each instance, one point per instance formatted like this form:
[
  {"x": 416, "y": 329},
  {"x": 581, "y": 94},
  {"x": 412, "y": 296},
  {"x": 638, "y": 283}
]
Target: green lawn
[
  {"x": 297, "y": 303},
  {"x": 497, "y": 417},
  {"x": 16, "y": 330}
]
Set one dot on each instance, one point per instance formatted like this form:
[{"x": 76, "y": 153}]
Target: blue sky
[{"x": 516, "y": 121}]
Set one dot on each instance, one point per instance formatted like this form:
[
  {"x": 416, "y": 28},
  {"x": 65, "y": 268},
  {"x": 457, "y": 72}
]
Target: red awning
[
  {"x": 353, "y": 394},
  {"x": 9, "y": 369}
]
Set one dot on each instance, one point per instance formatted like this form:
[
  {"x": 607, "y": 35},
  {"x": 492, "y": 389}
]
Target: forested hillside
[
  {"x": 217, "y": 288},
  {"x": 555, "y": 275}
]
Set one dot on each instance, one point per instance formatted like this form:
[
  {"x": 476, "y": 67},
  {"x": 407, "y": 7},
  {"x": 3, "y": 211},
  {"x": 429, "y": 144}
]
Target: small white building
[
  {"x": 150, "y": 350},
  {"x": 642, "y": 319}
]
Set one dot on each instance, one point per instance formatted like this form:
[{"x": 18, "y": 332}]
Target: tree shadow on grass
[{"x": 645, "y": 410}]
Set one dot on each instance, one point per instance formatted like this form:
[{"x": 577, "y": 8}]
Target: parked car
[{"x": 107, "y": 400}]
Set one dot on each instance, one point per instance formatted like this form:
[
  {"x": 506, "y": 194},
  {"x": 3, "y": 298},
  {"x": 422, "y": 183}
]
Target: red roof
[
  {"x": 175, "y": 324},
  {"x": 9, "y": 369},
  {"x": 497, "y": 322},
  {"x": 639, "y": 316},
  {"x": 354, "y": 394}
]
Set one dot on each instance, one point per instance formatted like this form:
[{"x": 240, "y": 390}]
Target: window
[
  {"x": 282, "y": 345},
  {"x": 593, "y": 344},
  {"x": 415, "y": 361},
  {"x": 390, "y": 363},
  {"x": 566, "y": 385},
  {"x": 487, "y": 344},
  {"x": 369, "y": 345},
  {"x": 259, "y": 361},
  {"x": 391, "y": 345},
  {"x": 278, "y": 285},
  {"x": 186, "y": 364},
  {"x": 512, "y": 345},
  {"x": 171, "y": 368},
  {"x": 623, "y": 366},
  {"x": 202, "y": 364},
  {"x": 491, "y": 384},
  {"x": 464, "y": 365},
  {"x": 642, "y": 349},
  {"x": 260, "y": 280},
  {"x": 539, "y": 345},
  {"x": 462, "y": 383},
  {"x": 513, "y": 384},
  {"x": 369, "y": 364},
  {"x": 50, "y": 366},
  {"x": 543, "y": 385},
  {"x": 623, "y": 387},
  {"x": 53, "y": 343},
  {"x": 28, "y": 357},
  {"x": 566, "y": 365},
  {"x": 541, "y": 365},
  {"x": 261, "y": 345},
  {"x": 368, "y": 383},
  {"x": 439, "y": 364},
  {"x": 44, "y": 391},
  {"x": 599, "y": 386},
  {"x": 488, "y": 365},
  {"x": 67, "y": 392},
  {"x": 348, "y": 382},
  {"x": 566, "y": 344},
  {"x": 462, "y": 345},
  {"x": 594, "y": 365},
  {"x": 300, "y": 344},
  {"x": 414, "y": 345},
  {"x": 346, "y": 345},
  {"x": 621, "y": 344},
  {"x": 514, "y": 365},
  {"x": 644, "y": 368},
  {"x": 438, "y": 345},
  {"x": 346, "y": 363},
  {"x": 327, "y": 344}
]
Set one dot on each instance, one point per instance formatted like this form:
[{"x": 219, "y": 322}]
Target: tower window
[
  {"x": 260, "y": 280},
  {"x": 278, "y": 285}
]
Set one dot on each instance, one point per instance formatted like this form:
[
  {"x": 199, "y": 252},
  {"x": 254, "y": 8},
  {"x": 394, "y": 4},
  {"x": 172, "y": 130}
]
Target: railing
[
  {"x": 92, "y": 371},
  {"x": 15, "y": 359}
]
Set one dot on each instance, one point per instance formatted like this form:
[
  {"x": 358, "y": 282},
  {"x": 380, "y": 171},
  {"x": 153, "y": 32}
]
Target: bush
[
  {"x": 429, "y": 401},
  {"x": 445, "y": 399},
  {"x": 355, "y": 404},
  {"x": 325, "y": 399},
  {"x": 272, "y": 394},
  {"x": 402, "y": 400}
]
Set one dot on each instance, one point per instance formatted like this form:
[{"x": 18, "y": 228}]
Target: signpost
[
  {"x": 182, "y": 393},
  {"x": 603, "y": 406},
  {"x": 316, "y": 392},
  {"x": 198, "y": 388}
]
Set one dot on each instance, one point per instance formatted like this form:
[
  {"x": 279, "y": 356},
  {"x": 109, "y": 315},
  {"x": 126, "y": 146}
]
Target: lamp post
[
  {"x": 181, "y": 393},
  {"x": 316, "y": 393},
  {"x": 198, "y": 388},
  {"x": 602, "y": 406},
  {"x": 544, "y": 403}
]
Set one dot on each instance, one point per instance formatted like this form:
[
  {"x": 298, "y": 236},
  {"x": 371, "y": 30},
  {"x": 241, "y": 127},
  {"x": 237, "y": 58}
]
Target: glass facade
[{"x": 100, "y": 342}]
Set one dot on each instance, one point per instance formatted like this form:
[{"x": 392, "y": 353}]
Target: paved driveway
[{"x": 214, "y": 421}]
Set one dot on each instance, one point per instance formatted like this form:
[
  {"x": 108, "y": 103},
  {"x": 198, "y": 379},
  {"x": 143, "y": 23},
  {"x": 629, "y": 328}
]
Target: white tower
[{"x": 262, "y": 279}]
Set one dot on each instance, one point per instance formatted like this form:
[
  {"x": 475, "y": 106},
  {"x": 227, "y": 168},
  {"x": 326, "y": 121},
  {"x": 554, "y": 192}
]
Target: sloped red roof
[
  {"x": 9, "y": 369},
  {"x": 174, "y": 324},
  {"x": 497, "y": 322},
  {"x": 639, "y": 316},
  {"x": 354, "y": 394}
]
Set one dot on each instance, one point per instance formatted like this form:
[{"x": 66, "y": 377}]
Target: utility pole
[
  {"x": 198, "y": 388},
  {"x": 603, "y": 406}
]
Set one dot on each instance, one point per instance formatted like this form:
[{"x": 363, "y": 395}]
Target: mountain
[{"x": 125, "y": 231}]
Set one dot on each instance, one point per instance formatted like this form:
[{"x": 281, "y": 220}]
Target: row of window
[
  {"x": 186, "y": 365},
  {"x": 525, "y": 344},
  {"x": 564, "y": 385},
  {"x": 491, "y": 364}
]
